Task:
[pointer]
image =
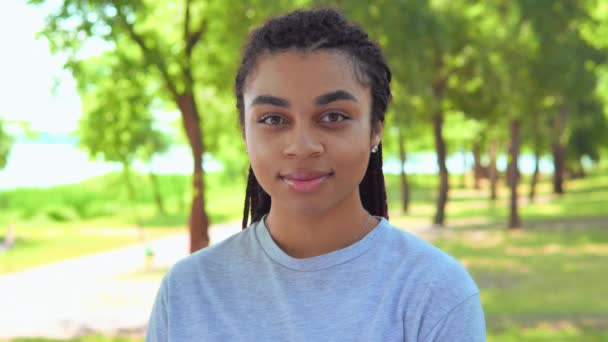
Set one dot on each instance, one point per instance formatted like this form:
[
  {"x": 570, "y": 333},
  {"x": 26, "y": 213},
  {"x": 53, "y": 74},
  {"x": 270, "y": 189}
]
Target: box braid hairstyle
[{"x": 309, "y": 31}]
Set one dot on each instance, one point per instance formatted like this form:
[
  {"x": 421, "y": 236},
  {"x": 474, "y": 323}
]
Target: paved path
[{"x": 95, "y": 293}]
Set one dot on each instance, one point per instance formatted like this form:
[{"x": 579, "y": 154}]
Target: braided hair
[{"x": 309, "y": 31}]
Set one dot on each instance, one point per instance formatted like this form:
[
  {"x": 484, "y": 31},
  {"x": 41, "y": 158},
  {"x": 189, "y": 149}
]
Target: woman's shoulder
[
  {"x": 426, "y": 261},
  {"x": 218, "y": 256},
  {"x": 432, "y": 279}
]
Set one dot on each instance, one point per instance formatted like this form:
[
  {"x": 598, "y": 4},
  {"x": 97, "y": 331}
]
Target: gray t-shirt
[{"x": 389, "y": 286}]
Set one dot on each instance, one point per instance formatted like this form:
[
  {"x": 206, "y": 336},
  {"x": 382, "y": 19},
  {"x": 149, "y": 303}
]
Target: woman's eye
[
  {"x": 273, "y": 120},
  {"x": 333, "y": 117}
]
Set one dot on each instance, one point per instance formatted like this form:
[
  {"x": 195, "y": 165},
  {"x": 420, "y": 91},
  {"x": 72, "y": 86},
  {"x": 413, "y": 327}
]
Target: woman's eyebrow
[
  {"x": 334, "y": 96},
  {"x": 270, "y": 100}
]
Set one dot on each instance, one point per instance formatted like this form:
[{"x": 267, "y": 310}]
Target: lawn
[
  {"x": 91, "y": 338},
  {"x": 68, "y": 221},
  {"x": 545, "y": 282}
]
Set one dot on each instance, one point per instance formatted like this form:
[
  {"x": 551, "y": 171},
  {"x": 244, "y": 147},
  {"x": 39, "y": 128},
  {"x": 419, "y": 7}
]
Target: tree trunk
[
  {"x": 184, "y": 98},
  {"x": 443, "y": 170},
  {"x": 558, "y": 164},
  {"x": 158, "y": 199},
  {"x": 442, "y": 198},
  {"x": 492, "y": 169},
  {"x": 405, "y": 190},
  {"x": 477, "y": 168},
  {"x": 559, "y": 150},
  {"x": 536, "y": 173},
  {"x": 463, "y": 179},
  {"x": 199, "y": 222},
  {"x": 126, "y": 172},
  {"x": 513, "y": 174}
]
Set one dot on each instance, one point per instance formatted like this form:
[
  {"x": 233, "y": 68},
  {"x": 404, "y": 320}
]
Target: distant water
[
  {"x": 47, "y": 164},
  {"x": 426, "y": 163},
  {"x": 39, "y": 164}
]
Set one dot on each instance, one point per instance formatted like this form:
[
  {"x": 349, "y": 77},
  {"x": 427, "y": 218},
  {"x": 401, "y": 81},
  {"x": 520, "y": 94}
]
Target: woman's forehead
[{"x": 304, "y": 75}]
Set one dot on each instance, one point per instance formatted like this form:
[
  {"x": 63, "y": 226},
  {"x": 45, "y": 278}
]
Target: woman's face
[{"x": 307, "y": 128}]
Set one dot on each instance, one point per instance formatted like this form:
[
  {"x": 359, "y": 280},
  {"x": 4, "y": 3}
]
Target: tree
[
  {"x": 426, "y": 44},
  {"x": 539, "y": 135},
  {"x": 495, "y": 86},
  {"x": 588, "y": 134},
  {"x": 406, "y": 133},
  {"x": 563, "y": 67},
  {"x": 163, "y": 40},
  {"x": 156, "y": 49},
  {"x": 6, "y": 143},
  {"x": 117, "y": 124}
]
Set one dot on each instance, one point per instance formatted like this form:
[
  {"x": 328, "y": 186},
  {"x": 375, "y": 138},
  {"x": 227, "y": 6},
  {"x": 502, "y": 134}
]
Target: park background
[{"x": 119, "y": 144}]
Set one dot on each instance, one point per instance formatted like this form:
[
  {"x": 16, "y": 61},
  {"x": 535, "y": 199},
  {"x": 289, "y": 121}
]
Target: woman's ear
[{"x": 377, "y": 133}]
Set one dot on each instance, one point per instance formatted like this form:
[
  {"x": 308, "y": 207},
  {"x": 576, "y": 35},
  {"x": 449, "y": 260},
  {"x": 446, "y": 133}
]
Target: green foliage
[
  {"x": 564, "y": 69},
  {"x": 5, "y": 146},
  {"x": 117, "y": 123},
  {"x": 105, "y": 199},
  {"x": 588, "y": 131}
]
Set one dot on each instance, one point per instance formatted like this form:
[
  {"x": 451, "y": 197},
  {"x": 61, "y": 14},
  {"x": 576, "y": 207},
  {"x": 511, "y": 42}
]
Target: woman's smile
[{"x": 305, "y": 181}]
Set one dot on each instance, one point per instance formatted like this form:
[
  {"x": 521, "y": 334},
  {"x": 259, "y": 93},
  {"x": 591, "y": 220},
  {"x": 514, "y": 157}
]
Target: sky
[
  {"x": 29, "y": 72},
  {"x": 35, "y": 90}
]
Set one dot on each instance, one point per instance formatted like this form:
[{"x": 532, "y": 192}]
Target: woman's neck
[{"x": 305, "y": 235}]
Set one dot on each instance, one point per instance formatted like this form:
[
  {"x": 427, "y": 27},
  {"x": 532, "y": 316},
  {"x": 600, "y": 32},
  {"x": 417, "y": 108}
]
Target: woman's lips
[{"x": 305, "y": 182}]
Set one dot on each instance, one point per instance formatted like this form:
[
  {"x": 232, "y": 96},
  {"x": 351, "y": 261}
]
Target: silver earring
[{"x": 375, "y": 149}]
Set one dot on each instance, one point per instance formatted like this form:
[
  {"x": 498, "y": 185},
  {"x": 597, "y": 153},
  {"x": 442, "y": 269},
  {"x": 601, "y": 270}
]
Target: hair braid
[
  {"x": 250, "y": 188},
  {"x": 262, "y": 203},
  {"x": 372, "y": 189}
]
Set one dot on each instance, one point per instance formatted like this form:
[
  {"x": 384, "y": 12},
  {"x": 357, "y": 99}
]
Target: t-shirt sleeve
[
  {"x": 157, "y": 325},
  {"x": 465, "y": 322},
  {"x": 452, "y": 307}
]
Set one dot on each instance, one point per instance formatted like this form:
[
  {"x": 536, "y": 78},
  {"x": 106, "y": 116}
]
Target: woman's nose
[{"x": 302, "y": 142}]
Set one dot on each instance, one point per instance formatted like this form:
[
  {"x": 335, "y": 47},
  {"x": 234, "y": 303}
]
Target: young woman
[{"x": 320, "y": 261}]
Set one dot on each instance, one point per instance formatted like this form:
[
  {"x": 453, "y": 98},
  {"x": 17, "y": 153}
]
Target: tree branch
[
  {"x": 192, "y": 38},
  {"x": 187, "y": 22},
  {"x": 151, "y": 56},
  {"x": 195, "y": 37}
]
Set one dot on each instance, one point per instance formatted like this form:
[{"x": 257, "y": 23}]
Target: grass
[
  {"x": 103, "y": 200},
  {"x": 539, "y": 276},
  {"x": 68, "y": 221},
  {"x": 545, "y": 282},
  {"x": 91, "y": 338},
  {"x": 562, "y": 332},
  {"x": 583, "y": 198}
]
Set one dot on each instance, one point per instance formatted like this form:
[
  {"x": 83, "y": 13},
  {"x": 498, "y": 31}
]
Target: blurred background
[{"x": 120, "y": 153}]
